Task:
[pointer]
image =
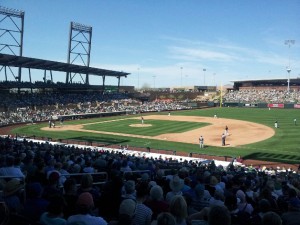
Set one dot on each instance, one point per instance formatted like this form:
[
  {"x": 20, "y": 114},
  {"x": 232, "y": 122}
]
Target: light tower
[
  {"x": 288, "y": 69},
  {"x": 11, "y": 35}
]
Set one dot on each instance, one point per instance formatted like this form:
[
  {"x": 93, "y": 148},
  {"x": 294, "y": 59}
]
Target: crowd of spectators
[
  {"x": 41, "y": 84},
  {"x": 167, "y": 191},
  {"x": 266, "y": 95},
  {"x": 18, "y": 108},
  {"x": 12, "y": 101}
]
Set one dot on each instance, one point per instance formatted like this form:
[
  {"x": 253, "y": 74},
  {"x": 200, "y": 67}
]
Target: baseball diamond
[{"x": 242, "y": 132}]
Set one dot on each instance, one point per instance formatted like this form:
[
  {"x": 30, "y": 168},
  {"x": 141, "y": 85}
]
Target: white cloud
[{"x": 194, "y": 54}]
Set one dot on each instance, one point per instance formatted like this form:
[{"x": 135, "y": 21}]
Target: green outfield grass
[{"x": 284, "y": 146}]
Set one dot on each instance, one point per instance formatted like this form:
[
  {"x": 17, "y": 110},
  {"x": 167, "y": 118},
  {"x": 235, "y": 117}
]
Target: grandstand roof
[{"x": 33, "y": 63}]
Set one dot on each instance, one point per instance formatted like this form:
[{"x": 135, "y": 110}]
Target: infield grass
[{"x": 284, "y": 146}]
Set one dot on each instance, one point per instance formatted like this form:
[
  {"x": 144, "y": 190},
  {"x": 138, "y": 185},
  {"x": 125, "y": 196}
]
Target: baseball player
[
  {"x": 226, "y": 130},
  {"x": 223, "y": 139},
  {"x": 201, "y": 141},
  {"x": 142, "y": 118}
]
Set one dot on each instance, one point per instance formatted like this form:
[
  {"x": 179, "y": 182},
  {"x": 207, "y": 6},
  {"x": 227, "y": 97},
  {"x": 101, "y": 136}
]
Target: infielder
[
  {"x": 223, "y": 139},
  {"x": 226, "y": 130},
  {"x": 201, "y": 141},
  {"x": 142, "y": 118}
]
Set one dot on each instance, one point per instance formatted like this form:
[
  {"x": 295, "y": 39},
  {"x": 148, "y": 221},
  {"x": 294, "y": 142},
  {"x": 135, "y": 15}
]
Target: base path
[{"x": 240, "y": 132}]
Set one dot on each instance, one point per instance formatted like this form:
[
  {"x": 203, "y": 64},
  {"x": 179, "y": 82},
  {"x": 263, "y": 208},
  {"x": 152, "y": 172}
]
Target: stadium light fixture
[
  {"x": 81, "y": 27},
  {"x": 288, "y": 69},
  {"x": 11, "y": 12}
]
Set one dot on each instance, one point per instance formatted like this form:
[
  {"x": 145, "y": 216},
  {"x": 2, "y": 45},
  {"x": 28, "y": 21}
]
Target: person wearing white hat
[{"x": 176, "y": 184}]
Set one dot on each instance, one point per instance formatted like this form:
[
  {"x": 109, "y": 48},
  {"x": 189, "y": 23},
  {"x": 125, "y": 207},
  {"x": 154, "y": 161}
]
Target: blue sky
[{"x": 166, "y": 43}]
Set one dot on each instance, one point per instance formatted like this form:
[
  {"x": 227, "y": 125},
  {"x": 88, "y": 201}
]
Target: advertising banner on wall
[
  {"x": 276, "y": 105},
  {"x": 250, "y": 105},
  {"x": 297, "y": 106}
]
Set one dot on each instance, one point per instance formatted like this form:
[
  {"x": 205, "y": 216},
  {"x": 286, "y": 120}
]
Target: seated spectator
[
  {"x": 13, "y": 195},
  {"x": 201, "y": 198},
  {"x": 125, "y": 167},
  {"x": 165, "y": 218},
  {"x": 53, "y": 186},
  {"x": 243, "y": 205},
  {"x": 211, "y": 186},
  {"x": 143, "y": 213},
  {"x": 267, "y": 194},
  {"x": 217, "y": 199},
  {"x": 219, "y": 215},
  {"x": 40, "y": 175},
  {"x": 34, "y": 205},
  {"x": 70, "y": 196},
  {"x": 29, "y": 166},
  {"x": 54, "y": 214},
  {"x": 201, "y": 216},
  {"x": 50, "y": 164},
  {"x": 271, "y": 218},
  {"x": 188, "y": 199},
  {"x": 156, "y": 201},
  {"x": 292, "y": 216},
  {"x": 88, "y": 167},
  {"x": 127, "y": 212},
  {"x": 250, "y": 194},
  {"x": 86, "y": 185},
  {"x": 263, "y": 207},
  {"x": 58, "y": 168},
  {"x": 178, "y": 208},
  {"x": 10, "y": 170},
  {"x": 128, "y": 190},
  {"x": 237, "y": 216},
  {"x": 176, "y": 184},
  {"x": 85, "y": 206},
  {"x": 111, "y": 197}
]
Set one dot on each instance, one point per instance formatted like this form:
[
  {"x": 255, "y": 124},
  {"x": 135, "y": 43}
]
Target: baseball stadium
[{"x": 98, "y": 135}]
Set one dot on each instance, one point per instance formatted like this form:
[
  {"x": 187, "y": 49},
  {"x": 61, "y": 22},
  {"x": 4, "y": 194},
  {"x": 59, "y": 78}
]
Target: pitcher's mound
[{"x": 140, "y": 125}]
